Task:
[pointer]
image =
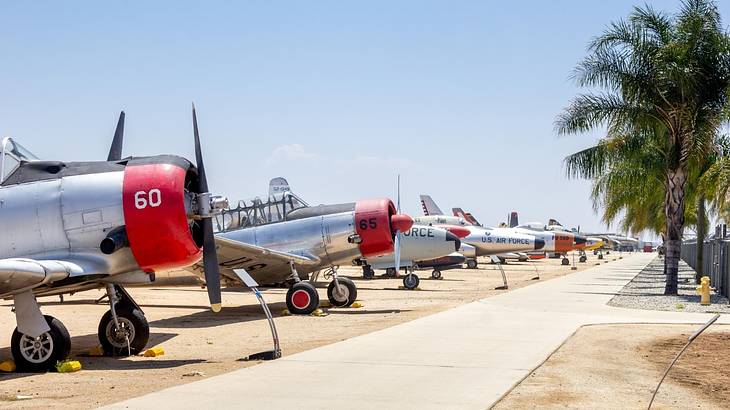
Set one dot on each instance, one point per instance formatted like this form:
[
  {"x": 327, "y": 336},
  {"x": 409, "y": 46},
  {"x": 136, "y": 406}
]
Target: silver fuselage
[{"x": 417, "y": 244}]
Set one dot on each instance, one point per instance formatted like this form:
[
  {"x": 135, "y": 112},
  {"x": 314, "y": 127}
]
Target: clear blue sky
[{"x": 339, "y": 97}]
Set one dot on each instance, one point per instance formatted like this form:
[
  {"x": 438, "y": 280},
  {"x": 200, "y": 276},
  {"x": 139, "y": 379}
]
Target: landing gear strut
[{"x": 123, "y": 330}]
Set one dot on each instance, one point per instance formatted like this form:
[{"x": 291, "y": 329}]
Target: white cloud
[{"x": 290, "y": 152}]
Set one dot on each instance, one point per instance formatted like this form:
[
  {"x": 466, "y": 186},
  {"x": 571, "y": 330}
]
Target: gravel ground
[{"x": 646, "y": 290}]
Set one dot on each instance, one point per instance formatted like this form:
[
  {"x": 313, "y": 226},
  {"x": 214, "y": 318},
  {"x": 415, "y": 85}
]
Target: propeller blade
[
  {"x": 115, "y": 151},
  {"x": 396, "y": 251},
  {"x": 398, "y": 193},
  {"x": 210, "y": 257}
]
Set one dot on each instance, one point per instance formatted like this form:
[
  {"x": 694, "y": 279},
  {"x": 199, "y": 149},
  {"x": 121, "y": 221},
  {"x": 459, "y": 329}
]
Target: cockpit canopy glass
[{"x": 256, "y": 211}]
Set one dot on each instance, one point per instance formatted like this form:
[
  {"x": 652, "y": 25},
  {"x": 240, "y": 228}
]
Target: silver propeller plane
[{"x": 73, "y": 226}]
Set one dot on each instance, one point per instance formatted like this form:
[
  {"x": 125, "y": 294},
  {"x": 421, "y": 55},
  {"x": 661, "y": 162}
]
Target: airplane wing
[
  {"x": 265, "y": 265},
  {"x": 18, "y": 275}
]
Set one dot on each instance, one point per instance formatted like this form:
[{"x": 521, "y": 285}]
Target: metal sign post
[{"x": 251, "y": 283}]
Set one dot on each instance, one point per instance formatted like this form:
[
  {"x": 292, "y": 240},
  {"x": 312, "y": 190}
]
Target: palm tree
[{"x": 663, "y": 85}]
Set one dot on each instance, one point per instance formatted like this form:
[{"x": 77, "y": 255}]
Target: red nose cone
[
  {"x": 401, "y": 222},
  {"x": 459, "y": 231}
]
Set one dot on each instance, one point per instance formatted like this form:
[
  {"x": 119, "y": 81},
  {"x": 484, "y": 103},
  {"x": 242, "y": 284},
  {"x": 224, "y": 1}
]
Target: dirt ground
[
  {"x": 196, "y": 340},
  {"x": 619, "y": 366}
]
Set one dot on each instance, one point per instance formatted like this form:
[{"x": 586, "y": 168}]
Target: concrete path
[{"x": 466, "y": 357}]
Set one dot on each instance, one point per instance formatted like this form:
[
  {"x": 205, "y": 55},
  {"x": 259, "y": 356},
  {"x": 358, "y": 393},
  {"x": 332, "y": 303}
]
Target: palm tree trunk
[
  {"x": 701, "y": 234},
  {"x": 674, "y": 212}
]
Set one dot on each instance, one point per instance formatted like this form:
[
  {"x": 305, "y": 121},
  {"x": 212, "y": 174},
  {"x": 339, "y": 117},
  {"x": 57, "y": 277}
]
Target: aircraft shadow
[
  {"x": 206, "y": 318},
  {"x": 365, "y": 312}
]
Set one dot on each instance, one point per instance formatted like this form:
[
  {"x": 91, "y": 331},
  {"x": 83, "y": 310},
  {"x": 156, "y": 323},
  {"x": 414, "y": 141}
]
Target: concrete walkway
[{"x": 466, "y": 357}]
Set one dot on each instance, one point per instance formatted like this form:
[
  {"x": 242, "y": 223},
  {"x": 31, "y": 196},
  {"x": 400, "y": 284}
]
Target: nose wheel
[
  {"x": 302, "y": 298},
  {"x": 471, "y": 263},
  {"x": 436, "y": 274},
  {"x": 39, "y": 354},
  {"x": 411, "y": 281},
  {"x": 123, "y": 330},
  {"x": 343, "y": 295}
]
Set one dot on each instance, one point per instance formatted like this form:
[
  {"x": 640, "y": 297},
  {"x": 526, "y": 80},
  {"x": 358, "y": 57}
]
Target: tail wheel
[
  {"x": 345, "y": 295},
  {"x": 39, "y": 354},
  {"x": 302, "y": 298},
  {"x": 133, "y": 326},
  {"x": 436, "y": 274},
  {"x": 411, "y": 281}
]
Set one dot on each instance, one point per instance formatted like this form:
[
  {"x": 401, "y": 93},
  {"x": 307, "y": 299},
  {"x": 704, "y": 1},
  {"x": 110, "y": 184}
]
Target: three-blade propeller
[{"x": 210, "y": 257}]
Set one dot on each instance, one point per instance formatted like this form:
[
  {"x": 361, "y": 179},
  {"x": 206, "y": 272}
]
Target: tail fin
[
  {"x": 553, "y": 222},
  {"x": 429, "y": 206},
  {"x": 278, "y": 185},
  {"x": 513, "y": 219},
  {"x": 466, "y": 215}
]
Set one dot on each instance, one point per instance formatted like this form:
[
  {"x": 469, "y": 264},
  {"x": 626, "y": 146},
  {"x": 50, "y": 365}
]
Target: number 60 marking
[{"x": 144, "y": 199}]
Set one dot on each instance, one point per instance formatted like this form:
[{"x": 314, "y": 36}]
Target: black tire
[
  {"x": 411, "y": 281},
  {"x": 600, "y": 256},
  {"x": 57, "y": 342},
  {"x": 471, "y": 263},
  {"x": 565, "y": 262},
  {"x": 436, "y": 274},
  {"x": 582, "y": 259},
  {"x": 302, "y": 298},
  {"x": 391, "y": 273},
  {"x": 345, "y": 300},
  {"x": 134, "y": 326},
  {"x": 368, "y": 272}
]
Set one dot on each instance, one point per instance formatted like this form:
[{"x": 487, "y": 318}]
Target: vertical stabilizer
[
  {"x": 513, "y": 219},
  {"x": 278, "y": 185},
  {"x": 429, "y": 206},
  {"x": 466, "y": 215}
]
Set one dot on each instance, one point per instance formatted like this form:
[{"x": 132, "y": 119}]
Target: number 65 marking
[{"x": 144, "y": 199}]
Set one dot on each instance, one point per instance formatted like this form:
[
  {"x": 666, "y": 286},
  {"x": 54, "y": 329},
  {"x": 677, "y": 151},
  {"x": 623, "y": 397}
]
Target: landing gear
[
  {"x": 391, "y": 273},
  {"x": 436, "y": 274},
  {"x": 368, "y": 272},
  {"x": 600, "y": 255},
  {"x": 565, "y": 261},
  {"x": 411, "y": 281},
  {"x": 123, "y": 330},
  {"x": 302, "y": 298},
  {"x": 343, "y": 295},
  {"x": 38, "y": 354},
  {"x": 582, "y": 259},
  {"x": 471, "y": 263}
]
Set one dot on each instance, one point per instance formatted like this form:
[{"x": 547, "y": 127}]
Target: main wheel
[
  {"x": 391, "y": 273},
  {"x": 368, "y": 272},
  {"x": 345, "y": 296},
  {"x": 436, "y": 274},
  {"x": 39, "y": 354},
  {"x": 302, "y": 298},
  {"x": 600, "y": 256},
  {"x": 565, "y": 262},
  {"x": 133, "y": 327},
  {"x": 411, "y": 281},
  {"x": 582, "y": 259},
  {"x": 471, "y": 263}
]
